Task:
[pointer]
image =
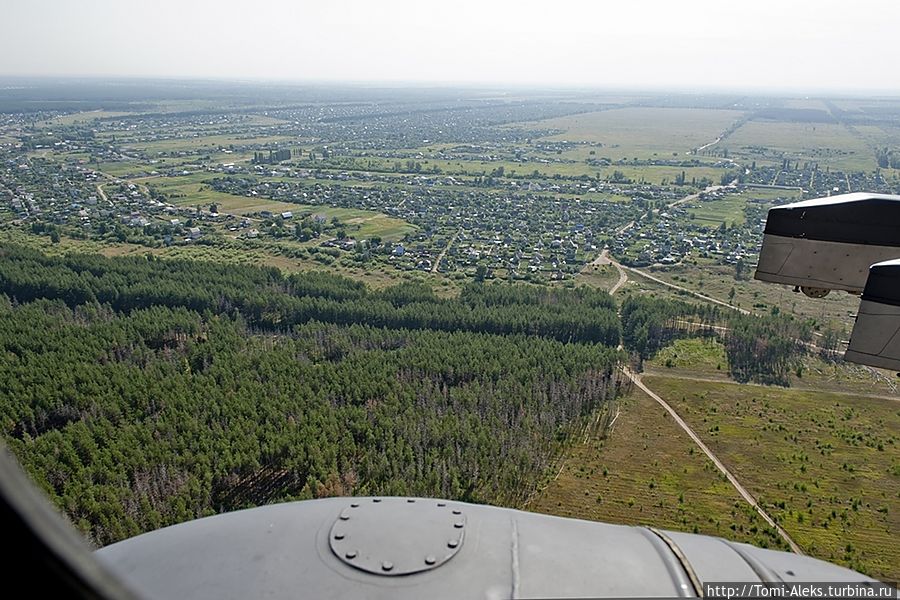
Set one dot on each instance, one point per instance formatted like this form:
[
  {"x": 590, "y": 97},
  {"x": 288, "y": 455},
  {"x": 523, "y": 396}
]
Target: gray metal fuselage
[{"x": 426, "y": 548}]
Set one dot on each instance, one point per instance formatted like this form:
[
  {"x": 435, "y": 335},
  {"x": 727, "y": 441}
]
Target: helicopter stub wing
[
  {"x": 875, "y": 340},
  {"x": 829, "y": 243}
]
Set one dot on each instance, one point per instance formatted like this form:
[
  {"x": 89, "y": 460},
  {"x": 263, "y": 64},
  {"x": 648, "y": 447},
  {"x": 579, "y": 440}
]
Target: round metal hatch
[{"x": 397, "y": 536}]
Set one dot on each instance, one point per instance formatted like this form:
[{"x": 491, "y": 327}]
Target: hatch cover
[{"x": 397, "y": 536}]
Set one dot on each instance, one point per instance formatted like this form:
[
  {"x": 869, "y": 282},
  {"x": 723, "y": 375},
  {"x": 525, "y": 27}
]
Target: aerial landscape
[{"x": 218, "y": 293}]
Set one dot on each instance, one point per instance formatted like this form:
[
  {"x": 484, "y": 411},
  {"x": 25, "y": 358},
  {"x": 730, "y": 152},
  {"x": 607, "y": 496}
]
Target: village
[{"x": 465, "y": 189}]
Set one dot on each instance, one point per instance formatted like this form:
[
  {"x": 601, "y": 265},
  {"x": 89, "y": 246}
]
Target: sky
[{"x": 783, "y": 45}]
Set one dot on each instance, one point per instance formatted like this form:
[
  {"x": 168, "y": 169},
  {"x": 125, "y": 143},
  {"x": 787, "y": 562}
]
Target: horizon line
[{"x": 402, "y": 83}]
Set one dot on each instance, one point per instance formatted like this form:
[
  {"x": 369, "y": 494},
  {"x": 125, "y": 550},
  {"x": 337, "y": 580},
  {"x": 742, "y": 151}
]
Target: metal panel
[
  {"x": 712, "y": 558},
  {"x": 794, "y": 567},
  {"x": 859, "y": 218},
  {"x": 813, "y": 263},
  {"x": 875, "y": 340},
  {"x": 285, "y": 551}
]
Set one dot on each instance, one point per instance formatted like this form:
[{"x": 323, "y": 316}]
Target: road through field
[{"x": 751, "y": 500}]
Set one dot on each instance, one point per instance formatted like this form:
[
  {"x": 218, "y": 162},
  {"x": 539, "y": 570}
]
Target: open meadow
[
  {"x": 644, "y": 132},
  {"x": 831, "y": 145},
  {"x": 647, "y": 471},
  {"x": 826, "y": 465}
]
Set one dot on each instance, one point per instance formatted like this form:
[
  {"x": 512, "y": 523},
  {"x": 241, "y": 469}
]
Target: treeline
[
  {"x": 141, "y": 393},
  {"x": 887, "y": 158},
  {"x": 274, "y": 156},
  {"x": 269, "y": 300},
  {"x": 133, "y": 422},
  {"x": 649, "y": 323},
  {"x": 762, "y": 349},
  {"x": 765, "y": 349}
]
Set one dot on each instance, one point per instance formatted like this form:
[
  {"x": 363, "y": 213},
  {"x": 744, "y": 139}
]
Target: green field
[
  {"x": 647, "y": 471},
  {"x": 205, "y": 142},
  {"x": 84, "y": 117},
  {"x": 697, "y": 358},
  {"x": 712, "y": 213},
  {"x": 826, "y": 465},
  {"x": 829, "y": 144},
  {"x": 757, "y": 296},
  {"x": 192, "y": 190},
  {"x": 730, "y": 208},
  {"x": 643, "y": 132}
]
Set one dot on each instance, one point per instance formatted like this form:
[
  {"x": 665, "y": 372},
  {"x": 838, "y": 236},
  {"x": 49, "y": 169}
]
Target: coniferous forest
[{"x": 141, "y": 392}]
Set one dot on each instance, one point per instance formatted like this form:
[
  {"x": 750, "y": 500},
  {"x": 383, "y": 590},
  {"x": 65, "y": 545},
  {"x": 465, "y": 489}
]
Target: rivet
[
  {"x": 442, "y": 504},
  {"x": 387, "y": 565},
  {"x": 453, "y": 543},
  {"x": 376, "y": 499},
  {"x": 354, "y": 505},
  {"x": 410, "y": 500},
  {"x": 430, "y": 560},
  {"x": 789, "y": 572},
  {"x": 458, "y": 524},
  {"x": 344, "y": 517},
  {"x": 351, "y": 554},
  {"x": 339, "y": 536},
  {"x": 456, "y": 511}
]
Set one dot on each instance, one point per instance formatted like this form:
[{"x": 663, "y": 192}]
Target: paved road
[{"x": 751, "y": 500}]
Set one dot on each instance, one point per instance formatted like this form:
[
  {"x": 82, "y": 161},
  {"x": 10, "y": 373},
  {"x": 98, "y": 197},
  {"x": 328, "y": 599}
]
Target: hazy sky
[{"x": 690, "y": 44}]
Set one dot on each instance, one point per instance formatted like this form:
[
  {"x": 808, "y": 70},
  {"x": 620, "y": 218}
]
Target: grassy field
[
  {"x": 717, "y": 281},
  {"x": 706, "y": 359},
  {"x": 730, "y": 208},
  {"x": 826, "y": 465},
  {"x": 647, "y": 471},
  {"x": 260, "y": 253},
  {"x": 704, "y": 356},
  {"x": 600, "y": 276},
  {"x": 192, "y": 190},
  {"x": 205, "y": 142},
  {"x": 83, "y": 117},
  {"x": 643, "y": 132},
  {"x": 712, "y": 213},
  {"x": 828, "y": 144}
]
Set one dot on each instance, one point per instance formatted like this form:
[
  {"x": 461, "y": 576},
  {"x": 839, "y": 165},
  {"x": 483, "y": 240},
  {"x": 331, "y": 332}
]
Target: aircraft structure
[{"x": 848, "y": 242}]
